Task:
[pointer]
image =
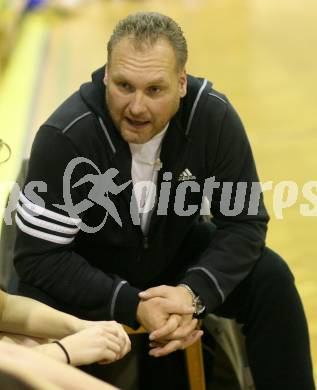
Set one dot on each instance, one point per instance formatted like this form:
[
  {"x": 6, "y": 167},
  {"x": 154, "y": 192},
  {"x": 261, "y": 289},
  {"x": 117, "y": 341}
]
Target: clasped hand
[
  {"x": 102, "y": 341},
  {"x": 166, "y": 312}
]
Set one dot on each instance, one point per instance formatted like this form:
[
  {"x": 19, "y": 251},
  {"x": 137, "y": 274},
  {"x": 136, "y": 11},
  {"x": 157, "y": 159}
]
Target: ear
[
  {"x": 183, "y": 83},
  {"x": 105, "y": 79}
]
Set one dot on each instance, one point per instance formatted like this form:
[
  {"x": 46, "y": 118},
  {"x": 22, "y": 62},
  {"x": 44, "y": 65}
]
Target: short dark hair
[{"x": 148, "y": 28}]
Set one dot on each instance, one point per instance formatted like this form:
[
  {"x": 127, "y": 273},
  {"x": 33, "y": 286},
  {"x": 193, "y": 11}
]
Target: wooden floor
[{"x": 263, "y": 55}]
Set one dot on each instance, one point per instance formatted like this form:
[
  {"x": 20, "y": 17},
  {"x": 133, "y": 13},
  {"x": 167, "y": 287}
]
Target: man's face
[{"x": 144, "y": 88}]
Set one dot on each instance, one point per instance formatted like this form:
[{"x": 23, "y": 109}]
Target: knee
[{"x": 272, "y": 270}]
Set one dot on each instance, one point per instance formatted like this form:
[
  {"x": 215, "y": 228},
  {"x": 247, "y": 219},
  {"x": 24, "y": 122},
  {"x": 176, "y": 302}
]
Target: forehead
[{"x": 157, "y": 60}]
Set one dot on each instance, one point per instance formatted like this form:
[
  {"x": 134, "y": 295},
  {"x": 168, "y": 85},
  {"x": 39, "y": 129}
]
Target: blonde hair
[{"x": 146, "y": 28}]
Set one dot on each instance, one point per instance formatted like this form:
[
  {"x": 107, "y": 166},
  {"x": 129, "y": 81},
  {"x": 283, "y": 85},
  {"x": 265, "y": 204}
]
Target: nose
[{"x": 137, "y": 105}]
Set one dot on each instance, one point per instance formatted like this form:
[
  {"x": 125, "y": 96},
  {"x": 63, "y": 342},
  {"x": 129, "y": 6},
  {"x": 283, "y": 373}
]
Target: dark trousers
[
  {"x": 277, "y": 342},
  {"x": 267, "y": 303}
]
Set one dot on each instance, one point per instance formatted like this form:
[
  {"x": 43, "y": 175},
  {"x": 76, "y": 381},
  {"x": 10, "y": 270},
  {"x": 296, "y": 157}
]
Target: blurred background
[{"x": 261, "y": 54}]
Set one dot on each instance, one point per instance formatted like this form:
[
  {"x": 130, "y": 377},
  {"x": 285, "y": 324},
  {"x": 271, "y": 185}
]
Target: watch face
[{"x": 199, "y": 306}]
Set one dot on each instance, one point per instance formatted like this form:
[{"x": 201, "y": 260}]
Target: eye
[
  {"x": 125, "y": 87},
  {"x": 154, "y": 90}
]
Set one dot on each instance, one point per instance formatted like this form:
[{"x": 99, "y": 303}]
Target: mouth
[{"x": 136, "y": 123}]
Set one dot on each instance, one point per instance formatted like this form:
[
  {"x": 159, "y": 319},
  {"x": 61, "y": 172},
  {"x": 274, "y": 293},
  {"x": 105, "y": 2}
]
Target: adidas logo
[{"x": 186, "y": 175}]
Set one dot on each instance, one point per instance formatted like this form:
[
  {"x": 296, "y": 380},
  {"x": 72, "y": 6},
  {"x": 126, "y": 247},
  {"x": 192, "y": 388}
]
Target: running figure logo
[{"x": 103, "y": 184}]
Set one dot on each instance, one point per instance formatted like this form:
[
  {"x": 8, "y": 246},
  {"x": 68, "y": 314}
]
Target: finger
[
  {"x": 111, "y": 329},
  {"x": 124, "y": 339},
  {"x": 170, "y": 326},
  {"x": 195, "y": 336},
  {"x": 115, "y": 328},
  {"x": 159, "y": 291},
  {"x": 122, "y": 334},
  {"x": 183, "y": 331},
  {"x": 155, "y": 344},
  {"x": 126, "y": 348},
  {"x": 112, "y": 346},
  {"x": 166, "y": 349},
  {"x": 173, "y": 307},
  {"x": 115, "y": 348},
  {"x": 174, "y": 345},
  {"x": 104, "y": 362},
  {"x": 108, "y": 357},
  {"x": 115, "y": 339}
]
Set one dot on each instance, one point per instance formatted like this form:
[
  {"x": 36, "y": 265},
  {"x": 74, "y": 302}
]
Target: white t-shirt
[{"x": 144, "y": 170}]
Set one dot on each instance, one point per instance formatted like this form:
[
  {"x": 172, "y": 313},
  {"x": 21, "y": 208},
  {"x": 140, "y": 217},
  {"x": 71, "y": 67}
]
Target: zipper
[
  {"x": 145, "y": 240},
  {"x": 145, "y": 243}
]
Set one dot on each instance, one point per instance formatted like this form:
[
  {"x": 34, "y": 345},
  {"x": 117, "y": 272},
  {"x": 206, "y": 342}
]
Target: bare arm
[
  {"x": 86, "y": 341},
  {"x": 21, "y": 359},
  {"x": 26, "y": 316}
]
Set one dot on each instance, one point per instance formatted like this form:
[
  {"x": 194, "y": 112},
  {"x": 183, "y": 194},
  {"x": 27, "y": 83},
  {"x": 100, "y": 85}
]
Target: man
[{"x": 95, "y": 235}]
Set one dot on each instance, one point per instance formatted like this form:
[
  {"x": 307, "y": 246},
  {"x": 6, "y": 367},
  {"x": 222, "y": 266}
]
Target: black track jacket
[{"x": 98, "y": 275}]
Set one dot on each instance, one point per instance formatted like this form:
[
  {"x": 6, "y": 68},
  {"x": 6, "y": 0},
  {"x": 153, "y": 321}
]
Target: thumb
[
  {"x": 173, "y": 307},
  {"x": 153, "y": 292}
]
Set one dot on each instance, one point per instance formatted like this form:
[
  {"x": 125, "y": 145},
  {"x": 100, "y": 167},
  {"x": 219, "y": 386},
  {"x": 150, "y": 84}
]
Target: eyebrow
[{"x": 159, "y": 80}]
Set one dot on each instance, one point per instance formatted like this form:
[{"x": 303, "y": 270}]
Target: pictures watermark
[{"x": 183, "y": 196}]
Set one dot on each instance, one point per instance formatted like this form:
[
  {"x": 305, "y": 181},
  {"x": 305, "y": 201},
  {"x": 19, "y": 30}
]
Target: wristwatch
[{"x": 198, "y": 304}]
